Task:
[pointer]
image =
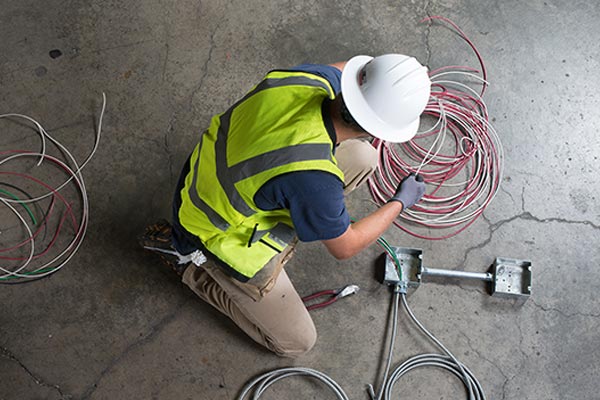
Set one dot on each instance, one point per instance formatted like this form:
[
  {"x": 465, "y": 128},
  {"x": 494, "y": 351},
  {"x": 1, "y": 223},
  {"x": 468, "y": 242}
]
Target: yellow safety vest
[{"x": 275, "y": 129}]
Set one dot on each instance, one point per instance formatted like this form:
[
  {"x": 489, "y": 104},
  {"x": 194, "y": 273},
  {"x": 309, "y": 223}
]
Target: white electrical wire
[
  {"x": 32, "y": 247},
  {"x": 77, "y": 239},
  {"x": 43, "y": 133},
  {"x": 64, "y": 256}
]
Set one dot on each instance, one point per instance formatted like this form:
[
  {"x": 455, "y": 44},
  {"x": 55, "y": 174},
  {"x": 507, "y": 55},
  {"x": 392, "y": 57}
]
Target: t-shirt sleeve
[
  {"x": 331, "y": 73},
  {"x": 315, "y": 200}
]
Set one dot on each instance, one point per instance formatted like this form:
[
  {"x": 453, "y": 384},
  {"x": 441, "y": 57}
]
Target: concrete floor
[{"x": 114, "y": 324}]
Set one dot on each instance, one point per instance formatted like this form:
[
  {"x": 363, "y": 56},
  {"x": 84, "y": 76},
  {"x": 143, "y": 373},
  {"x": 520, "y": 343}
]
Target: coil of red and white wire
[
  {"x": 48, "y": 242},
  {"x": 460, "y": 156}
]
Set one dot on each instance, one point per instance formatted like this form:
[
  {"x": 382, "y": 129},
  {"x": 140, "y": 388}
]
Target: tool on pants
[{"x": 335, "y": 295}]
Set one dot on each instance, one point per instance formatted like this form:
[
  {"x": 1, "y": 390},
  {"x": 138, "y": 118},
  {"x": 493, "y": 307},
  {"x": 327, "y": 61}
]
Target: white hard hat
[{"x": 386, "y": 94}]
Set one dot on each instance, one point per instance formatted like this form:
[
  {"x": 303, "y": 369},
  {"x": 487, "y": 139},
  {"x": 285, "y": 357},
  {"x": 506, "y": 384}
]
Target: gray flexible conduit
[{"x": 447, "y": 362}]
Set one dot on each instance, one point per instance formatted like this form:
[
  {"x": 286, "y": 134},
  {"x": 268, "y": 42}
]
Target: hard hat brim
[{"x": 362, "y": 112}]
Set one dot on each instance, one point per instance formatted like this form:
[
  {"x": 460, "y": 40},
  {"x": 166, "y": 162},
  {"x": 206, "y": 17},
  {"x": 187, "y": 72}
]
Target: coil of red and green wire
[{"x": 51, "y": 259}]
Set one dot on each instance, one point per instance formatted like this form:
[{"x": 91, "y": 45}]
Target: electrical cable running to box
[{"x": 257, "y": 386}]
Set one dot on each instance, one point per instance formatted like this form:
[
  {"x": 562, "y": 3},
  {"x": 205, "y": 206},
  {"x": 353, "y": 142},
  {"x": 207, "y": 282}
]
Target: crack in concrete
[
  {"x": 521, "y": 337},
  {"x": 481, "y": 356},
  {"x": 427, "y": 34},
  {"x": 69, "y": 125},
  {"x": 530, "y": 217},
  {"x": 504, "y": 386},
  {"x": 200, "y": 84},
  {"x": 223, "y": 385},
  {"x": 164, "y": 66},
  {"x": 528, "y": 174},
  {"x": 527, "y": 216},
  {"x": 166, "y": 146},
  {"x": 508, "y": 193},
  {"x": 506, "y": 378},
  {"x": 478, "y": 246},
  {"x": 20, "y": 139},
  {"x": 165, "y": 26},
  {"x": 154, "y": 331},
  {"x": 4, "y": 352},
  {"x": 563, "y": 313}
]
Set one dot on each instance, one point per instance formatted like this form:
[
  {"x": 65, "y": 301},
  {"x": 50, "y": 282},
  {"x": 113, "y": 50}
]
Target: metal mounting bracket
[{"x": 508, "y": 277}]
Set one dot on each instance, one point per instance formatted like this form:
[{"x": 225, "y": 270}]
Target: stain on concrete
[
  {"x": 41, "y": 71},
  {"x": 55, "y": 53},
  {"x": 579, "y": 198}
]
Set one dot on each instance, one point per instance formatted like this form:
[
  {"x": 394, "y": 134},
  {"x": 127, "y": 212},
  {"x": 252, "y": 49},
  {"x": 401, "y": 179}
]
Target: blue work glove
[{"x": 409, "y": 191}]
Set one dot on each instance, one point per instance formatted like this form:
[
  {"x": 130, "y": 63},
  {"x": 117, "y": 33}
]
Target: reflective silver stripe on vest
[
  {"x": 280, "y": 234},
  {"x": 224, "y": 173},
  {"x": 214, "y": 218},
  {"x": 258, "y": 235},
  {"x": 277, "y": 158}
]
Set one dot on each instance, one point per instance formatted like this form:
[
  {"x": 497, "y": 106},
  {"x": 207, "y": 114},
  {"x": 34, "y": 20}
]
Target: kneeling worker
[{"x": 274, "y": 168}]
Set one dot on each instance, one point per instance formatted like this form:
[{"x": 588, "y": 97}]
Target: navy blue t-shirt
[{"x": 315, "y": 198}]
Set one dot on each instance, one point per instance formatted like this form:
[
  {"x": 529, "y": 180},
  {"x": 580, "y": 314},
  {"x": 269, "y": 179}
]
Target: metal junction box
[
  {"x": 511, "y": 278},
  {"x": 410, "y": 265}
]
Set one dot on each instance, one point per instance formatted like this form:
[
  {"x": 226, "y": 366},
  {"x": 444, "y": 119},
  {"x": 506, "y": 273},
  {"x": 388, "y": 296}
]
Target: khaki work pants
[{"x": 267, "y": 307}]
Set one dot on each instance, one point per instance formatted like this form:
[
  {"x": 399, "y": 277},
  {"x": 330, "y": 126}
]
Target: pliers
[{"x": 334, "y": 293}]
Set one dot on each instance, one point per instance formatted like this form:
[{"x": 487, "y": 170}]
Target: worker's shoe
[{"x": 157, "y": 239}]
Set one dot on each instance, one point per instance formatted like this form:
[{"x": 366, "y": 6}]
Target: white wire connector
[{"x": 196, "y": 257}]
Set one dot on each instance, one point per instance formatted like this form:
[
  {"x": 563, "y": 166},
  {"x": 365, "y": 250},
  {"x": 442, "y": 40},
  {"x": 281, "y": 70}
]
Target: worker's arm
[{"x": 363, "y": 233}]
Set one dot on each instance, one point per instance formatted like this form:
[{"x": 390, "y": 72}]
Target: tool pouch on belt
[{"x": 264, "y": 280}]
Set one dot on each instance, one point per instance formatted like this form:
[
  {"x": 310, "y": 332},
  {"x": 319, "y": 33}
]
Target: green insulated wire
[
  {"x": 386, "y": 246},
  {"x": 7, "y": 278},
  {"x": 384, "y": 243},
  {"x": 37, "y": 271},
  {"x": 21, "y": 203}
]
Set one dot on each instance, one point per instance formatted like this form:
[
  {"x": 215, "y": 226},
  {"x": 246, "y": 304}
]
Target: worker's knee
[
  {"x": 365, "y": 157},
  {"x": 357, "y": 159},
  {"x": 357, "y": 155},
  {"x": 299, "y": 345}
]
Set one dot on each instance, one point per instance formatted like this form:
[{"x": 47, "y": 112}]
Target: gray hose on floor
[
  {"x": 262, "y": 382},
  {"x": 447, "y": 362}
]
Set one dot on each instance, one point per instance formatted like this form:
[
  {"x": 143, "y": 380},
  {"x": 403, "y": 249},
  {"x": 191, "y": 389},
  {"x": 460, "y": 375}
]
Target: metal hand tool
[{"x": 333, "y": 294}]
